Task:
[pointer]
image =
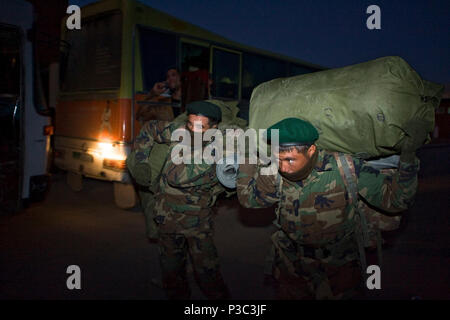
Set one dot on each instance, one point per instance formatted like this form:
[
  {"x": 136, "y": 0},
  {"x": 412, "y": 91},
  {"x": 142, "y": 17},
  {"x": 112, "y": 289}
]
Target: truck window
[
  {"x": 194, "y": 57},
  {"x": 195, "y": 72},
  {"x": 257, "y": 69},
  {"x": 226, "y": 67},
  {"x": 9, "y": 62},
  {"x": 158, "y": 53},
  {"x": 94, "y": 54}
]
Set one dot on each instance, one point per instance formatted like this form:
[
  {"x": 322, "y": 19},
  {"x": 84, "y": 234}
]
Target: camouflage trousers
[
  {"x": 197, "y": 245},
  {"x": 148, "y": 206},
  {"x": 312, "y": 274}
]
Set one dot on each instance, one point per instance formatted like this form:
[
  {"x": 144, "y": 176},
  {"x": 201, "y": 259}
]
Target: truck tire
[{"x": 125, "y": 196}]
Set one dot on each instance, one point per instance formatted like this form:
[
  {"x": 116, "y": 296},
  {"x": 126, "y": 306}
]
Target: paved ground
[{"x": 117, "y": 262}]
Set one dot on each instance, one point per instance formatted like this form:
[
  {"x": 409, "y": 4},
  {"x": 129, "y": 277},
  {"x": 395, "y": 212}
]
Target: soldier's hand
[
  {"x": 416, "y": 134},
  {"x": 159, "y": 88},
  {"x": 142, "y": 174}
]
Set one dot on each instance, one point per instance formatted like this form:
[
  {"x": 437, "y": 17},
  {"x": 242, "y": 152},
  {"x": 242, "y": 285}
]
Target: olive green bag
[{"x": 359, "y": 109}]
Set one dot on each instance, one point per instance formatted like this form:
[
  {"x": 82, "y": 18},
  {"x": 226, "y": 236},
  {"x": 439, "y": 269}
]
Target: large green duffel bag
[{"x": 359, "y": 109}]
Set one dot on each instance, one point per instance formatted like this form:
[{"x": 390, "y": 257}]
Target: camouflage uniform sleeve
[
  {"x": 137, "y": 160},
  {"x": 255, "y": 190},
  {"x": 153, "y": 131},
  {"x": 392, "y": 193},
  {"x": 191, "y": 175}
]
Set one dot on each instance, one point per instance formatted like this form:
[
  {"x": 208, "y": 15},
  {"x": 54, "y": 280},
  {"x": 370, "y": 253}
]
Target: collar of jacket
[{"x": 323, "y": 162}]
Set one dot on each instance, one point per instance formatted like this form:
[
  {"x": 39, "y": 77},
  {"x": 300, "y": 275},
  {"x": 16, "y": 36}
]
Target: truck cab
[{"x": 24, "y": 123}]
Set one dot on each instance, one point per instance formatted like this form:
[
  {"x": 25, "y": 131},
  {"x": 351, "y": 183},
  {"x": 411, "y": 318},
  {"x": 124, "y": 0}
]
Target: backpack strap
[
  {"x": 346, "y": 168},
  {"x": 279, "y": 187},
  {"x": 270, "y": 256}
]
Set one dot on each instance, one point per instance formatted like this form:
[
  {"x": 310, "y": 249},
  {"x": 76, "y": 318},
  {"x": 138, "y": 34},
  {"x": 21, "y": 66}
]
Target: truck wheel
[
  {"x": 124, "y": 195},
  {"x": 75, "y": 181}
]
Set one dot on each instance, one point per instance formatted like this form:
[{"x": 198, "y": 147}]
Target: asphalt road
[{"x": 117, "y": 262}]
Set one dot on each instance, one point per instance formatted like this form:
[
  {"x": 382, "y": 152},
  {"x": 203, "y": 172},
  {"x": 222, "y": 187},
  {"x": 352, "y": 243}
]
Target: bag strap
[
  {"x": 270, "y": 256},
  {"x": 346, "y": 168},
  {"x": 347, "y": 171},
  {"x": 279, "y": 187}
]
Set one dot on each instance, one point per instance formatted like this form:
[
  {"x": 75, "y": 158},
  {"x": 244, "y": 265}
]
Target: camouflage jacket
[
  {"x": 152, "y": 132},
  {"x": 316, "y": 210},
  {"x": 185, "y": 192}
]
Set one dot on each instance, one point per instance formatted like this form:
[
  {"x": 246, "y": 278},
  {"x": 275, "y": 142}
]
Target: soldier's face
[
  {"x": 292, "y": 162},
  {"x": 173, "y": 79},
  {"x": 196, "y": 123}
]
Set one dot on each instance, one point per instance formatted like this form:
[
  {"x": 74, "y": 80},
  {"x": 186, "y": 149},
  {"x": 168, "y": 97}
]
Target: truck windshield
[{"x": 9, "y": 62}]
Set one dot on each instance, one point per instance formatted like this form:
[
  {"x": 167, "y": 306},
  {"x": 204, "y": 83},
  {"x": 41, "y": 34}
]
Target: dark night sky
[{"x": 328, "y": 33}]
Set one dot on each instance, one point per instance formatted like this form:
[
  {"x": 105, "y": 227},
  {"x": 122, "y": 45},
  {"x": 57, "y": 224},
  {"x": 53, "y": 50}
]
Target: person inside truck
[
  {"x": 168, "y": 96},
  {"x": 169, "y": 88}
]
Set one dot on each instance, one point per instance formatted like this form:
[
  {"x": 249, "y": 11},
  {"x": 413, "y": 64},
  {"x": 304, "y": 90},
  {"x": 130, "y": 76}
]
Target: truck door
[{"x": 10, "y": 118}]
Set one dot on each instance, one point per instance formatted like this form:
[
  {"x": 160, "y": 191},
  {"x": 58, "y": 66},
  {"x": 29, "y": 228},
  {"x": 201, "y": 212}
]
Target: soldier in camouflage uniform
[
  {"x": 183, "y": 207},
  {"x": 137, "y": 165},
  {"x": 316, "y": 251}
]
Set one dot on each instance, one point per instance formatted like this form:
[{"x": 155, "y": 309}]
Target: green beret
[
  {"x": 204, "y": 108},
  {"x": 293, "y": 131}
]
